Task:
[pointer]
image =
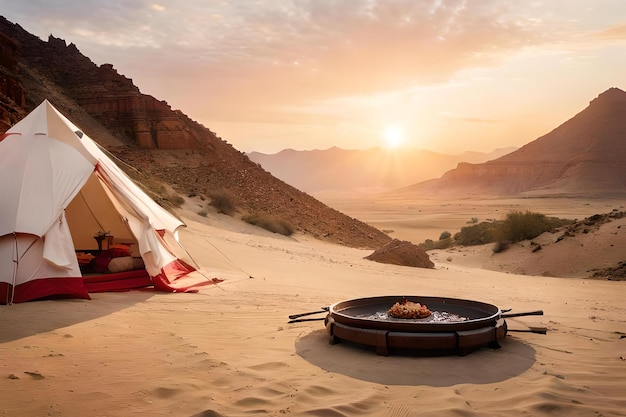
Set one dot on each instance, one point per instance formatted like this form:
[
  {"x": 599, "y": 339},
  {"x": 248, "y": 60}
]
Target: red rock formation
[
  {"x": 118, "y": 104},
  {"x": 11, "y": 90}
]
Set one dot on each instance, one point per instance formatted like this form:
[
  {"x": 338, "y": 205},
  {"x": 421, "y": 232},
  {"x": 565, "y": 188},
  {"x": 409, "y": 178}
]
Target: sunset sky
[{"x": 444, "y": 75}]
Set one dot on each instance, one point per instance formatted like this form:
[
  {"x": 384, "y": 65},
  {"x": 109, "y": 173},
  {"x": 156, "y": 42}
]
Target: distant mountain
[
  {"x": 371, "y": 169},
  {"x": 585, "y": 156}
]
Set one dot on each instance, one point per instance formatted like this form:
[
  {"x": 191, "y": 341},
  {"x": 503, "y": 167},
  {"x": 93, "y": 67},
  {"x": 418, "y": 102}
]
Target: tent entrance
[
  {"x": 112, "y": 263},
  {"x": 91, "y": 213}
]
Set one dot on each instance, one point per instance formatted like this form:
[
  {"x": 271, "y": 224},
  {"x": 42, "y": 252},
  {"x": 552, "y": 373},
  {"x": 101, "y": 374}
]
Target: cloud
[
  {"x": 328, "y": 48},
  {"x": 613, "y": 33},
  {"x": 355, "y": 43},
  {"x": 284, "y": 61}
]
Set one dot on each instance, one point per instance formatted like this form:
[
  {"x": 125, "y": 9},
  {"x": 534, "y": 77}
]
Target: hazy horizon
[
  {"x": 442, "y": 76},
  {"x": 382, "y": 148}
]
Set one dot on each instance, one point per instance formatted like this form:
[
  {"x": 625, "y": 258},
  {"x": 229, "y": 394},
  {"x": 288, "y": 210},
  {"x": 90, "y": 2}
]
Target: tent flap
[
  {"x": 58, "y": 248},
  {"x": 178, "y": 276}
]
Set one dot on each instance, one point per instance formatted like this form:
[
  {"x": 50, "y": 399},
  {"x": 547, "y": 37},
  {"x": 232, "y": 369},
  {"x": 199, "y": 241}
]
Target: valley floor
[{"x": 229, "y": 351}]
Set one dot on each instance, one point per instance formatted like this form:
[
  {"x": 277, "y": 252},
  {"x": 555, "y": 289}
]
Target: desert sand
[{"x": 229, "y": 351}]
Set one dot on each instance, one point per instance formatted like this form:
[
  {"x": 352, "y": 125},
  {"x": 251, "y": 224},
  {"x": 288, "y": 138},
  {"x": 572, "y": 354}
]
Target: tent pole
[
  {"x": 16, "y": 264},
  {"x": 82, "y": 196}
]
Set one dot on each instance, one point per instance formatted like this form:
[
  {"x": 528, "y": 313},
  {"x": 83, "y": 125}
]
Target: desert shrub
[
  {"x": 203, "y": 213},
  {"x": 223, "y": 202},
  {"x": 473, "y": 220},
  {"x": 270, "y": 223},
  {"x": 477, "y": 234},
  {"x": 444, "y": 243},
  {"x": 520, "y": 226},
  {"x": 429, "y": 244},
  {"x": 500, "y": 246},
  {"x": 174, "y": 199},
  {"x": 516, "y": 227}
]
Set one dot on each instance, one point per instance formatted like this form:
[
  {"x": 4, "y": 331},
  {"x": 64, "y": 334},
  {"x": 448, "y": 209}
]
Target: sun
[{"x": 394, "y": 136}]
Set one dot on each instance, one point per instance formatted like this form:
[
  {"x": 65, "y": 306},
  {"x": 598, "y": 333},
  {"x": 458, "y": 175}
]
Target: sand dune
[{"x": 229, "y": 351}]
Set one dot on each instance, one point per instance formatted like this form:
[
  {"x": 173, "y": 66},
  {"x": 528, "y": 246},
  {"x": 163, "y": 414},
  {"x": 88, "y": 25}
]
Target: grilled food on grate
[{"x": 405, "y": 309}]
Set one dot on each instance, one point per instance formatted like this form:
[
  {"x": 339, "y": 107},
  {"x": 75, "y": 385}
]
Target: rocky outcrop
[
  {"x": 12, "y": 94},
  {"x": 400, "y": 252},
  {"x": 111, "y": 98}
]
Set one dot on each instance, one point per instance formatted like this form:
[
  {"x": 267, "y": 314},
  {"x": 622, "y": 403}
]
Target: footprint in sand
[
  {"x": 208, "y": 413},
  {"x": 164, "y": 392}
]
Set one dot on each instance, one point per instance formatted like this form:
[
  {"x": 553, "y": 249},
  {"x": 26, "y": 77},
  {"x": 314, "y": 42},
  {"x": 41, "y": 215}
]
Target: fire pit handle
[
  {"x": 527, "y": 313},
  {"x": 301, "y": 320},
  {"x": 310, "y": 313}
]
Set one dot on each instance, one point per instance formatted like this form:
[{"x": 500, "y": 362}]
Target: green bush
[
  {"x": 223, "y": 202},
  {"x": 520, "y": 226},
  {"x": 429, "y": 244},
  {"x": 516, "y": 227},
  {"x": 444, "y": 243},
  {"x": 500, "y": 246},
  {"x": 477, "y": 234},
  {"x": 270, "y": 223}
]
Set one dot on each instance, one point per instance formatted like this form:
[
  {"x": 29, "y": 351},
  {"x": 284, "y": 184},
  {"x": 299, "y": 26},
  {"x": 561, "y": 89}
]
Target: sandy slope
[
  {"x": 550, "y": 254},
  {"x": 228, "y": 350}
]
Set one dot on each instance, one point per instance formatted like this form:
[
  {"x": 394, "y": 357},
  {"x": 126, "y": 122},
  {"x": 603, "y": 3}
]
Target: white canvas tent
[{"x": 57, "y": 190}]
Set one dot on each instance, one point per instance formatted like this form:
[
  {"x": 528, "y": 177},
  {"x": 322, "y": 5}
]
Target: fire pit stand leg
[
  {"x": 330, "y": 328},
  {"x": 381, "y": 343}
]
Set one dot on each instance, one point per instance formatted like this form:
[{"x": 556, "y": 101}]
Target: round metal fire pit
[{"x": 455, "y": 325}]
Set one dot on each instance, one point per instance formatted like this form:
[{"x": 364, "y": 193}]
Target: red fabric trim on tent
[
  {"x": 44, "y": 288},
  {"x": 120, "y": 281},
  {"x": 3, "y": 136},
  {"x": 174, "y": 277}
]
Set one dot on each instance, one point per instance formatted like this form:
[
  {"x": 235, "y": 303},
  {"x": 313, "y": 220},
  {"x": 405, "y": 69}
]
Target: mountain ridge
[
  {"x": 584, "y": 156},
  {"x": 160, "y": 143},
  {"x": 341, "y": 169}
]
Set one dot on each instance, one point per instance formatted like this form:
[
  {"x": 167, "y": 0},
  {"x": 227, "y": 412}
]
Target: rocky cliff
[
  {"x": 12, "y": 96},
  {"x": 147, "y": 134},
  {"x": 110, "y": 98}
]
